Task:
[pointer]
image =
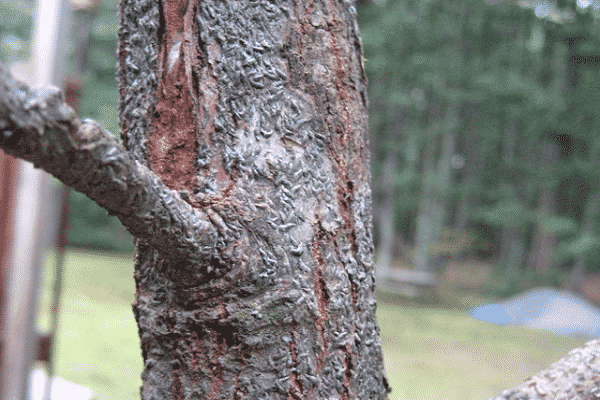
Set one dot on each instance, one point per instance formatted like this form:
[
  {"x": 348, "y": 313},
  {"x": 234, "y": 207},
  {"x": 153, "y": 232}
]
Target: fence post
[{"x": 35, "y": 216}]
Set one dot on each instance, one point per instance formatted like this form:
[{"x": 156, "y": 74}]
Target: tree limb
[
  {"x": 38, "y": 126},
  {"x": 575, "y": 376}
]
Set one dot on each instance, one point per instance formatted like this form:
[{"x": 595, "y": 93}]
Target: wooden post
[
  {"x": 35, "y": 218},
  {"x": 8, "y": 172}
]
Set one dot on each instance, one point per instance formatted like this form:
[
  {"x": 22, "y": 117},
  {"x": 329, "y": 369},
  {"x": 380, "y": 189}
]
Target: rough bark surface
[{"x": 255, "y": 112}]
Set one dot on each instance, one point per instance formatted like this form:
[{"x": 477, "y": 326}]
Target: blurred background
[{"x": 485, "y": 175}]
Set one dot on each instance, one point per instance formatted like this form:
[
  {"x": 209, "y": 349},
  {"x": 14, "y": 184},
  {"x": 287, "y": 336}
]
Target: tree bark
[
  {"x": 246, "y": 184},
  {"x": 256, "y": 114}
]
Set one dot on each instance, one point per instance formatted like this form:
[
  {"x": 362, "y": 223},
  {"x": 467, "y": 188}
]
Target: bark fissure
[
  {"x": 173, "y": 140},
  {"x": 296, "y": 389},
  {"x": 322, "y": 301}
]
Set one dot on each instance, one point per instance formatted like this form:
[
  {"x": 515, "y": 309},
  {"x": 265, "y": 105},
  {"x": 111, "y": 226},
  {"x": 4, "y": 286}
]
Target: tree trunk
[
  {"x": 436, "y": 190},
  {"x": 255, "y": 112},
  {"x": 573, "y": 377}
]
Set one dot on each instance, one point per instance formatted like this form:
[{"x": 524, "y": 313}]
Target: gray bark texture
[
  {"x": 255, "y": 113},
  {"x": 245, "y": 180}
]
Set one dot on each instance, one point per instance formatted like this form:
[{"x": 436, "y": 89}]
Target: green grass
[
  {"x": 436, "y": 353},
  {"x": 431, "y": 351},
  {"x": 97, "y": 342}
]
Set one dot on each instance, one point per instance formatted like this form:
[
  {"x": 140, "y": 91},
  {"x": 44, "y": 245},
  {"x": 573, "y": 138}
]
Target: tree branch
[
  {"x": 575, "y": 376},
  {"x": 38, "y": 126}
]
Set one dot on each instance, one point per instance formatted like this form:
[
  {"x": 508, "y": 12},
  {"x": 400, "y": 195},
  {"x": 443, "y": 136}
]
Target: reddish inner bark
[
  {"x": 322, "y": 301},
  {"x": 296, "y": 388},
  {"x": 177, "y": 383},
  {"x": 172, "y": 146}
]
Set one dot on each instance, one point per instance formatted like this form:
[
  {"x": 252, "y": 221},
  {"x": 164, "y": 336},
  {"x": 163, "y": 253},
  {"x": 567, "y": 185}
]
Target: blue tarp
[{"x": 560, "y": 311}]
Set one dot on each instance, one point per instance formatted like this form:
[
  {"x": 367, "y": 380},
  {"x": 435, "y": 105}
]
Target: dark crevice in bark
[
  {"x": 161, "y": 29},
  {"x": 296, "y": 388},
  {"x": 347, "y": 373},
  {"x": 322, "y": 298},
  {"x": 178, "y": 393}
]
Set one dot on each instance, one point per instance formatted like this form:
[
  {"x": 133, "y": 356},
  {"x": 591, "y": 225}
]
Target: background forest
[
  {"x": 483, "y": 133},
  {"x": 485, "y": 155},
  {"x": 485, "y": 143}
]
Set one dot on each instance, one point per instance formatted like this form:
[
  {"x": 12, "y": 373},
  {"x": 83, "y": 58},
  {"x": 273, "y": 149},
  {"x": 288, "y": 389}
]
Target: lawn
[
  {"x": 431, "y": 351},
  {"x": 97, "y": 342},
  {"x": 436, "y": 353}
]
